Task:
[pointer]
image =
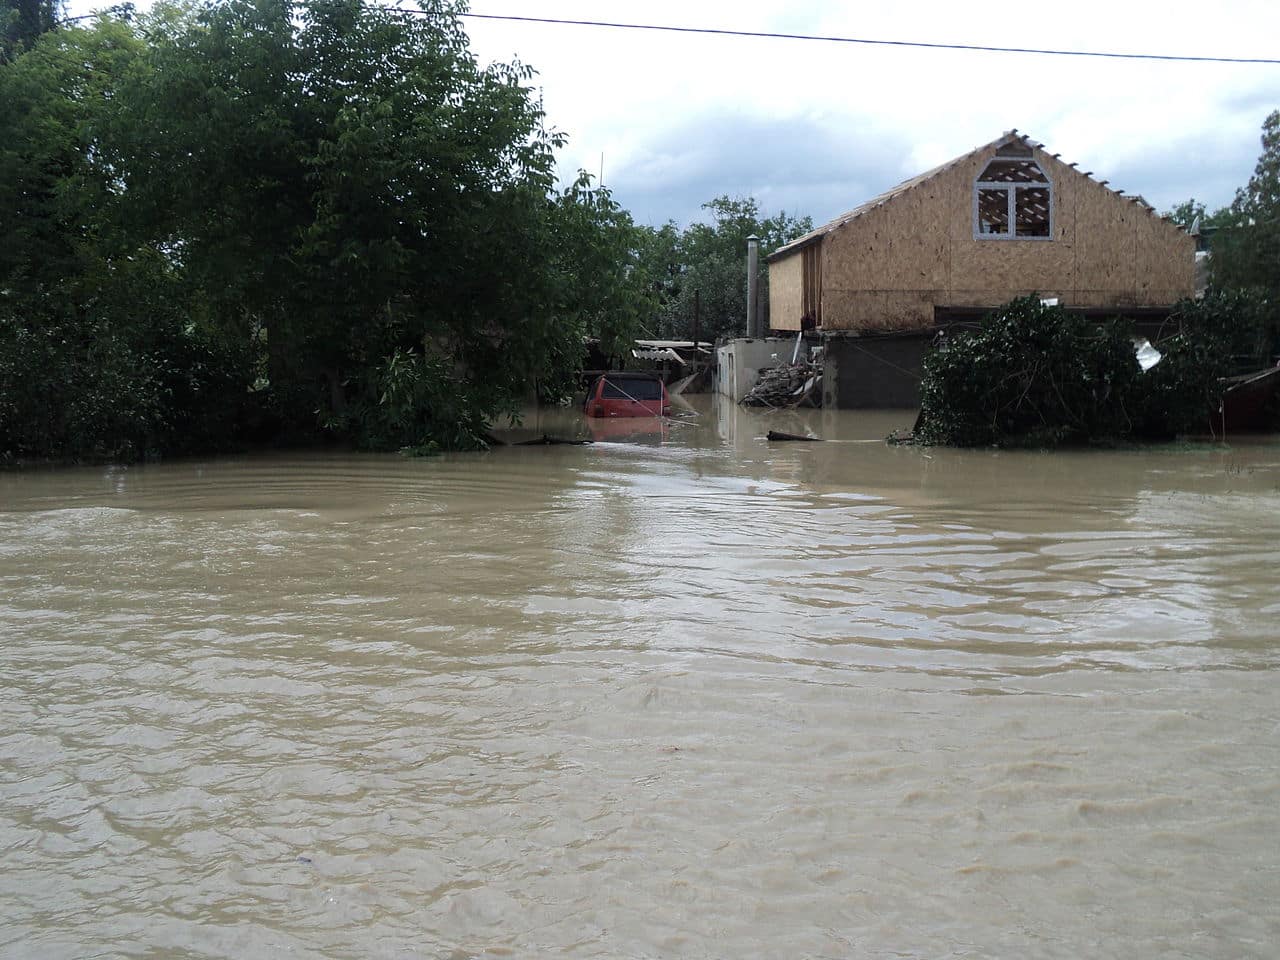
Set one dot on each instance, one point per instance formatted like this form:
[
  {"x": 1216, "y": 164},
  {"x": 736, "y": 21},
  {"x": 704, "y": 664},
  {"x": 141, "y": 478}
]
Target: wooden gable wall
[{"x": 889, "y": 267}]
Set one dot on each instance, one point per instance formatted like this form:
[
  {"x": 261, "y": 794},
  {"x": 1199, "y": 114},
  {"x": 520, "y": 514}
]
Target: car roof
[{"x": 628, "y": 375}]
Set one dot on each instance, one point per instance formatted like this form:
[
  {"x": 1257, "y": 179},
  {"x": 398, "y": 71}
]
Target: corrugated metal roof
[
  {"x": 673, "y": 344},
  {"x": 659, "y": 353}
]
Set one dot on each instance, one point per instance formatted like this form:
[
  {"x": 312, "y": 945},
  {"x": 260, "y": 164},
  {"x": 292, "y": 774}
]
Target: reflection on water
[{"x": 680, "y": 692}]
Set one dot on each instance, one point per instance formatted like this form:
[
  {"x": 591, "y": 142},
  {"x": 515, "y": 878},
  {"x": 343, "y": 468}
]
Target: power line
[
  {"x": 918, "y": 44},
  {"x": 864, "y": 41}
]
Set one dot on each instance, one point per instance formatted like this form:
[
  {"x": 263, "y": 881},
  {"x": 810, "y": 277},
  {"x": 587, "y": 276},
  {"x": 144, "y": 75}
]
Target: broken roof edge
[{"x": 1009, "y": 136}]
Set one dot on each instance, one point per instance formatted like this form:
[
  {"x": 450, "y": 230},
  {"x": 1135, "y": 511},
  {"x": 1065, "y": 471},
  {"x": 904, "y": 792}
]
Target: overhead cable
[
  {"x": 820, "y": 38},
  {"x": 918, "y": 44}
]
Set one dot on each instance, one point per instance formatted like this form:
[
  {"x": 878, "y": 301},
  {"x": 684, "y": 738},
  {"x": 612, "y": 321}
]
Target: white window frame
[{"x": 1010, "y": 189}]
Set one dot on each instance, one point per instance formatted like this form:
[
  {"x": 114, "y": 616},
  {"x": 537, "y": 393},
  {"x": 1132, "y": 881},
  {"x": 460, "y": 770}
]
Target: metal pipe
[
  {"x": 753, "y": 286},
  {"x": 697, "y": 309}
]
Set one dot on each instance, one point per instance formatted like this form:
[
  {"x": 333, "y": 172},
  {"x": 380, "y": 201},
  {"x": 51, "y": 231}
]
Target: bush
[
  {"x": 85, "y": 384},
  {"x": 1039, "y": 376},
  {"x": 1033, "y": 375}
]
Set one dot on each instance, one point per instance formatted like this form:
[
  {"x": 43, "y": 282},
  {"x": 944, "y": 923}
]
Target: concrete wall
[
  {"x": 887, "y": 268},
  {"x": 739, "y": 362},
  {"x": 873, "y": 372}
]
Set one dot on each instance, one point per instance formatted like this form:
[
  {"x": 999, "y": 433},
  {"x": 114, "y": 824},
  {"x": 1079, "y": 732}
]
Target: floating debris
[
  {"x": 549, "y": 441},
  {"x": 787, "y": 385},
  {"x": 778, "y": 435}
]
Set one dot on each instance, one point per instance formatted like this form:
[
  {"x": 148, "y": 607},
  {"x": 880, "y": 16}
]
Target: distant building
[{"x": 1006, "y": 219}]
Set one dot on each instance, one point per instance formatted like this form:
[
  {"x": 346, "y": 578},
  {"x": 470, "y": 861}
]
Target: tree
[
  {"x": 1246, "y": 250},
  {"x": 98, "y": 358},
  {"x": 330, "y": 201},
  {"x": 711, "y": 266},
  {"x": 1190, "y": 212},
  {"x": 605, "y": 291},
  {"x": 346, "y": 182},
  {"x": 1244, "y": 265},
  {"x": 22, "y": 22}
]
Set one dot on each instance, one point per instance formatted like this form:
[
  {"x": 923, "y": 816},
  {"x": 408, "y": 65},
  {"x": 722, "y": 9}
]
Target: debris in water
[
  {"x": 549, "y": 441},
  {"x": 787, "y": 385}
]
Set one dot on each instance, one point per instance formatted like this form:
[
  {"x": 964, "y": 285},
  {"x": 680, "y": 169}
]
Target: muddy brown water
[{"x": 680, "y": 693}]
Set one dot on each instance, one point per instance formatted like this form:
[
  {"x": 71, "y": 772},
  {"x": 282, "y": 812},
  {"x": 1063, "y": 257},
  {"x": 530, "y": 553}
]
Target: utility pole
[
  {"x": 753, "y": 285},
  {"x": 697, "y": 309}
]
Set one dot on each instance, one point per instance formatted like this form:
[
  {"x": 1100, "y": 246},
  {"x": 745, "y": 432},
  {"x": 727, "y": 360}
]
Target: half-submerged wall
[{"x": 739, "y": 362}]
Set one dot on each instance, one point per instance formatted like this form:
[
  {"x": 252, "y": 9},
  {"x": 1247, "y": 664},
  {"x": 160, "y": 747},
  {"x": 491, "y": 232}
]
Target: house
[{"x": 945, "y": 247}]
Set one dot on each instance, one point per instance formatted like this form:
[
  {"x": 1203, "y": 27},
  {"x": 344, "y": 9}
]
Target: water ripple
[{"x": 702, "y": 697}]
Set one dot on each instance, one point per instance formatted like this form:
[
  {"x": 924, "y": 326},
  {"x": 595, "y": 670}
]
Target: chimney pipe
[{"x": 753, "y": 286}]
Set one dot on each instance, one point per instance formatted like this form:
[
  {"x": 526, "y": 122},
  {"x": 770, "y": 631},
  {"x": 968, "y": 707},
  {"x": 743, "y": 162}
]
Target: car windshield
[{"x": 639, "y": 389}]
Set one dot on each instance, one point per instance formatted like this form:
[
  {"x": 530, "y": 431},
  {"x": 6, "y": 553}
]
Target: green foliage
[
  {"x": 1176, "y": 396},
  {"x": 1039, "y": 376},
  {"x": 1032, "y": 375},
  {"x": 1243, "y": 326},
  {"x": 99, "y": 356},
  {"x": 1246, "y": 249},
  {"x": 1188, "y": 212},
  {"x": 56, "y": 188},
  {"x": 416, "y": 407},
  {"x": 708, "y": 263},
  {"x": 604, "y": 291},
  {"x": 22, "y": 22},
  {"x": 119, "y": 376},
  {"x": 1223, "y": 333},
  {"x": 331, "y": 201}
]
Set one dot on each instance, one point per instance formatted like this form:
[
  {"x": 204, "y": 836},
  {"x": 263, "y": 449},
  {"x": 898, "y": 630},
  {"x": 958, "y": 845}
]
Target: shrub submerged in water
[{"x": 1039, "y": 376}]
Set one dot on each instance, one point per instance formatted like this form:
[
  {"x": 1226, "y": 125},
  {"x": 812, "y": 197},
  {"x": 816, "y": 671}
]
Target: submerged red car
[{"x": 627, "y": 395}]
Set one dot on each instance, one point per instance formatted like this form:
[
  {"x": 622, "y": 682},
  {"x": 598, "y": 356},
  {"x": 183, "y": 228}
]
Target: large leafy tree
[
  {"x": 604, "y": 289},
  {"x": 347, "y": 182},
  {"x": 55, "y": 186},
  {"x": 334, "y": 199},
  {"x": 1247, "y": 248},
  {"x": 97, "y": 357},
  {"x": 22, "y": 22},
  {"x": 1244, "y": 241}
]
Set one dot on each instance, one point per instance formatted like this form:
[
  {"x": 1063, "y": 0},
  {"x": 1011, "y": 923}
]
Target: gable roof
[{"x": 1010, "y": 136}]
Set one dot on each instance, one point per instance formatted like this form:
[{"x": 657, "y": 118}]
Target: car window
[{"x": 632, "y": 389}]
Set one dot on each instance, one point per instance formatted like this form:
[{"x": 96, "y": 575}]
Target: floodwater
[{"x": 679, "y": 693}]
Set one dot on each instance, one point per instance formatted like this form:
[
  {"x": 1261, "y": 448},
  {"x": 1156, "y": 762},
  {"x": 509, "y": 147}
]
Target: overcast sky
[{"x": 816, "y": 128}]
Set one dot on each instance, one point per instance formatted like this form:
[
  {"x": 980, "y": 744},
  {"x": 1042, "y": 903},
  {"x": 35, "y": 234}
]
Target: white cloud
[
  {"x": 797, "y": 122},
  {"x": 819, "y": 127}
]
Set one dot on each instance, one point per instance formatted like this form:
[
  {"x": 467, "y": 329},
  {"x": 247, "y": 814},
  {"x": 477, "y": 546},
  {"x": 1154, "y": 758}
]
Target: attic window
[{"x": 1013, "y": 200}]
